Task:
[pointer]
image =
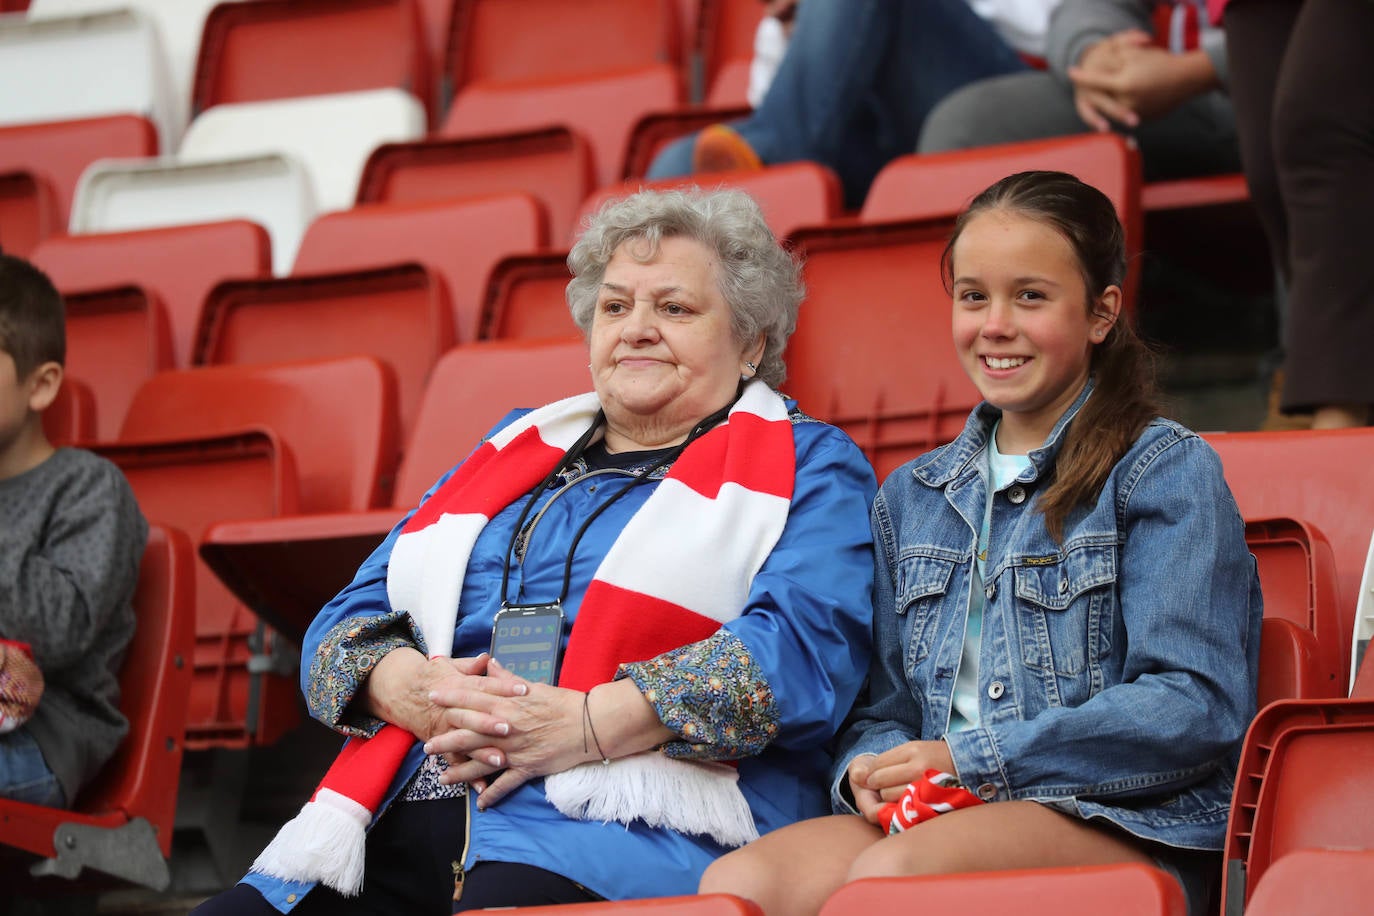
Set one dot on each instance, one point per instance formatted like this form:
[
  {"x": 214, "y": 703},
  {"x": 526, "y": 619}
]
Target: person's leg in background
[{"x": 1324, "y": 151}]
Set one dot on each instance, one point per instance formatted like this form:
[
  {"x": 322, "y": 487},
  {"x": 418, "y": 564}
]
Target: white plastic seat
[
  {"x": 179, "y": 24},
  {"x": 331, "y": 134},
  {"x": 85, "y": 66},
  {"x": 272, "y": 190}
]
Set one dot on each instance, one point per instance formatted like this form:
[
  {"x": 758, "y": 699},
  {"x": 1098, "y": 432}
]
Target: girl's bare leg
[{"x": 791, "y": 872}]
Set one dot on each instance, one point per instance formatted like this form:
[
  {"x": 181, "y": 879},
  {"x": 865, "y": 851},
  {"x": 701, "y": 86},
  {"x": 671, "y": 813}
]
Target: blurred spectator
[{"x": 1305, "y": 116}]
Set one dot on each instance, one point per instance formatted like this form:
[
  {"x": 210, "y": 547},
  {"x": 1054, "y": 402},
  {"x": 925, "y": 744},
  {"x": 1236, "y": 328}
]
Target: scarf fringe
[
  {"x": 325, "y": 842},
  {"x": 687, "y": 796}
]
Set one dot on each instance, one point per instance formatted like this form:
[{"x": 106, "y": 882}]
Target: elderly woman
[{"x": 703, "y": 546}]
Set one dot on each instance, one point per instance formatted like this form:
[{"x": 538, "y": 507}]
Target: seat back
[
  {"x": 554, "y": 164},
  {"x": 85, "y": 66},
  {"x": 1123, "y": 890},
  {"x": 117, "y": 338},
  {"x": 1333, "y": 882},
  {"x": 189, "y": 484},
  {"x": 277, "y": 49},
  {"x": 59, "y": 151},
  {"x": 515, "y": 41},
  {"x": 696, "y": 905},
  {"x": 460, "y": 240},
  {"x": 473, "y": 387},
  {"x": 272, "y": 190},
  {"x": 1307, "y": 474},
  {"x": 28, "y": 212},
  {"x": 331, "y": 135},
  {"x": 873, "y": 351},
  {"x": 726, "y": 43},
  {"x": 181, "y": 264},
  {"x": 526, "y": 298},
  {"x": 791, "y": 195},
  {"x": 400, "y": 315},
  {"x": 603, "y": 108},
  {"x": 337, "y": 416}
]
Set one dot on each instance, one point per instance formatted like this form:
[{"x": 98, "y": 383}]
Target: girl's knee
[{"x": 734, "y": 873}]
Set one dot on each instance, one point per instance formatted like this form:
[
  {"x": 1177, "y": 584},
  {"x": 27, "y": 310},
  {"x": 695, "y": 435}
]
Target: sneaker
[{"x": 720, "y": 148}]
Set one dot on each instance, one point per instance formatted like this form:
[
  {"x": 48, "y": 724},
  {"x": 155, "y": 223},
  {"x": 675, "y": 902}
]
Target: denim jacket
[{"x": 1118, "y": 669}]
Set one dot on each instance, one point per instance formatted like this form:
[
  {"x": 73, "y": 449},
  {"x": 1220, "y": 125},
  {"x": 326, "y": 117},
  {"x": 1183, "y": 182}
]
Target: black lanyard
[{"x": 566, "y": 462}]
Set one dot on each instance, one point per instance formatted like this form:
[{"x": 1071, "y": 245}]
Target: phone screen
[{"x": 527, "y": 641}]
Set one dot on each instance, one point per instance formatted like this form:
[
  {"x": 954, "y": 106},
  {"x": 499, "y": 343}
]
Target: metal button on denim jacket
[{"x": 1117, "y": 668}]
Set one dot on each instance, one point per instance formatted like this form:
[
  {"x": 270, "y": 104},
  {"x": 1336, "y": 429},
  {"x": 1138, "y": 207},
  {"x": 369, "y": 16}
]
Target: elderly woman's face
[{"x": 663, "y": 354}]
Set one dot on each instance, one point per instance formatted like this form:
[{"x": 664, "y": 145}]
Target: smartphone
[{"x": 528, "y": 640}]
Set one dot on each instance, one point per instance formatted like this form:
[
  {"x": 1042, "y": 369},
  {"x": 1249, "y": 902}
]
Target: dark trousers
[
  {"x": 411, "y": 854},
  {"x": 1304, "y": 100}
]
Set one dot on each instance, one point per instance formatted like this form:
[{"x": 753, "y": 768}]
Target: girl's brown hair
[{"x": 1125, "y": 397}]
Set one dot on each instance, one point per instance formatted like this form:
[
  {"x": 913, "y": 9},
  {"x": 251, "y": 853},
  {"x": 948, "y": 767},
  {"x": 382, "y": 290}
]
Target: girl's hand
[{"x": 888, "y": 774}]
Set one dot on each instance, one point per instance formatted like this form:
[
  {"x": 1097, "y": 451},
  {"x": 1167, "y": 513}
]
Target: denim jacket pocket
[
  {"x": 1065, "y": 608},
  {"x": 922, "y": 584}
]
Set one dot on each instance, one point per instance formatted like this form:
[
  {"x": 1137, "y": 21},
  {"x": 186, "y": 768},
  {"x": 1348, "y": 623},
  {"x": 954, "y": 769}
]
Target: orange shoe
[{"x": 720, "y": 148}]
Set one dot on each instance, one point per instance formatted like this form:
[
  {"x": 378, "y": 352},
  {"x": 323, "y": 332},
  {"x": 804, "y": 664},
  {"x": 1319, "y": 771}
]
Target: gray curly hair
[{"x": 758, "y": 278}]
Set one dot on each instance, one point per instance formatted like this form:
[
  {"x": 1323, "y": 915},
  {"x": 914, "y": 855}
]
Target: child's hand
[{"x": 888, "y": 774}]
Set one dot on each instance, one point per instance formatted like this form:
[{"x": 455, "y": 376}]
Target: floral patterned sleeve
[
  {"x": 346, "y": 656},
  {"x": 713, "y": 695}
]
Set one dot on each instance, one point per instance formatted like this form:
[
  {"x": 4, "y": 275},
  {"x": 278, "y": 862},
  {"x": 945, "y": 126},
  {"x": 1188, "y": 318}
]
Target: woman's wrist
[
  {"x": 389, "y": 691},
  {"x": 623, "y": 720}
]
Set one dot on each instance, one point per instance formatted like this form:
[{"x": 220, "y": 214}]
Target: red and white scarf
[{"x": 685, "y": 561}]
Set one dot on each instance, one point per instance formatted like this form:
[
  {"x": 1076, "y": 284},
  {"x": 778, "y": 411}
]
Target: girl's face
[{"x": 1023, "y": 326}]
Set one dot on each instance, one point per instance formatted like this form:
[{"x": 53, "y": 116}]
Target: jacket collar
[{"x": 961, "y": 456}]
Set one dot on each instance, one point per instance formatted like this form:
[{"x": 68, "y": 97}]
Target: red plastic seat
[
  {"x": 700, "y": 905},
  {"x": 181, "y": 264},
  {"x": 400, "y": 315},
  {"x": 726, "y": 44},
  {"x": 1202, "y": 191},
  {"x": 1309, "y": 475},
  {"x": 70, "y": 419},
  {"x": 276, "y": 49},
  {"x": 287, "y": 568},
  {"x": 121, "y": 824},
  {"x": 1122, "y": 890},
  {"x": 791, "y": 195},
  {"x": 117, "y": 339},
  {"x": 1303, "y": 782},
  {"x": 188, "y": 483},
  {"x": 1333, "y": 882},
  {"x": 554, "y": 164},
  {"x": 526, "y": 298},
  {"x": 656, "y": 129},
  {"x": 460, "y": 239},
  {"x": 59, "y": 151},
  {"x": 603, "y": 108},
  {"x": 873, "y": 351},
  {"x": 28, "y": 212}
]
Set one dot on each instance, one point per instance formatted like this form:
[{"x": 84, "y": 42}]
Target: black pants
[
  {"x": 1304, "y": 100},
  {"x": 410, "y": 869}
]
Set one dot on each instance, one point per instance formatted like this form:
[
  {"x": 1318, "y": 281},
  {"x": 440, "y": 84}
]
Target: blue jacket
[
  {"x": 807, "y": 628},
  {"x": 1118, "y": 669}
]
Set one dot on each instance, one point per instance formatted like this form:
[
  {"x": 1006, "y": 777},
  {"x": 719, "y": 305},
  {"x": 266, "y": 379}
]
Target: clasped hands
[
  {"x": 877, "y": 779},
  {"x": 1126, "y": 78}
]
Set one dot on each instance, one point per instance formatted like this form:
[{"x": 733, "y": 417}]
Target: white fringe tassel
[
  {"x": 686, "y": 796},
  {"x": 324, "y": 843}
]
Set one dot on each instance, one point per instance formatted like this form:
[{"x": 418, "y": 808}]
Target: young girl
[{"x": 1066, "y": 615}]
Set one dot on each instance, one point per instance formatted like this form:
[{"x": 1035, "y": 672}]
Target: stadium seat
[
  {"x": 1298, "y": 578},
  {"x": 656, "y": 129},
  {"x": 331, "y": 135},
  {"x": 791, "y": 195},
  {"x": 1303, "y": 782},
  {"x": 70, "y": 419},
  {"x": 1332, "y": 882},
  {"x": 872, "y": 352},
  {"x": 1202, "y": 191},
  {"x": 277, "y": 49},
  {"x": 117, "y": 338},
  {"x": 726, "y": 43},
  {"x": 121, "y": 824},
  {"x": 1307, "y": 474},
  {"x": 28, "y": 212},
  {"x": 603, "y": 108},
  {"x": 85, "y": 66},
  {"x": 526, "y": 298},
  {"x": 697, "y": 905},
  {"x": 507, "y": 42},
  {"x": 241, "y": 689},
  {"x": 270, "y": 190},
  {"x": 398, "y": 314},
  {"x": 287, "y": 568},
  {"x": 459, "y": 239},
  {"x": 57, "y": 152},
  {"x": 942, "y": 184},
  {"x": 181, "y": 264},
  {"x": 554, "y": 164},
  {"x": 1122, "y": 890}
]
